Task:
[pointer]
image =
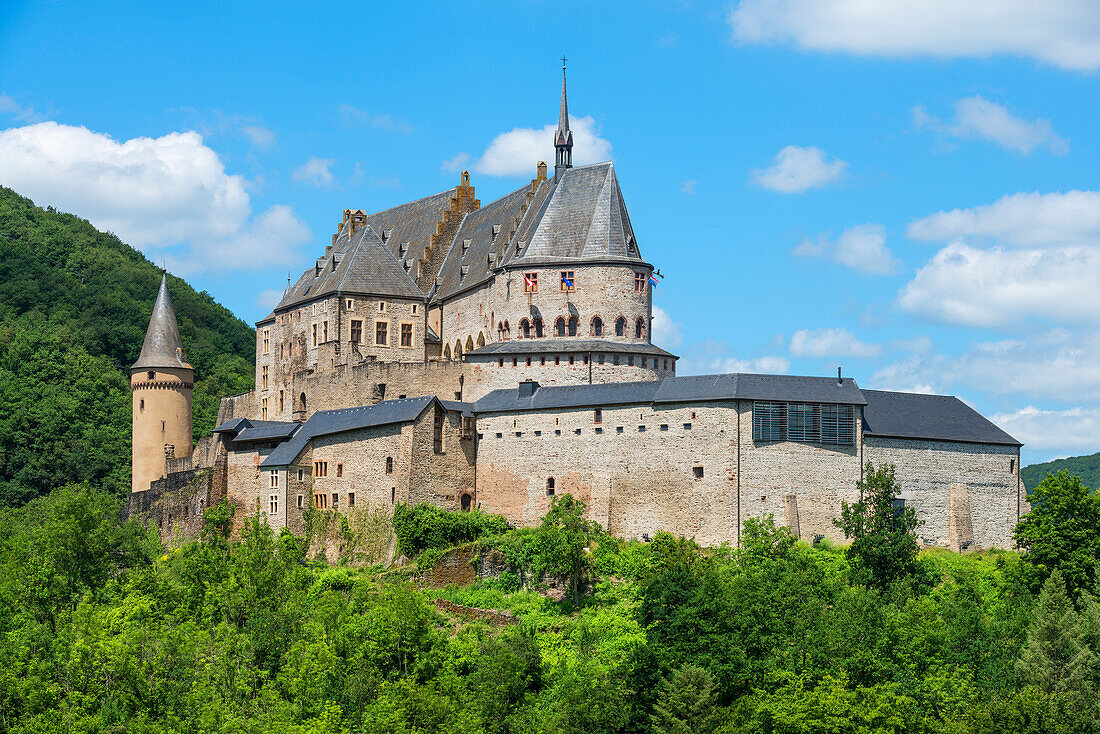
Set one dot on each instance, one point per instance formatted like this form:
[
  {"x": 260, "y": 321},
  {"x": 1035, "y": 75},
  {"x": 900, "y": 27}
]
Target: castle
[{"x": 495, "y": 356}]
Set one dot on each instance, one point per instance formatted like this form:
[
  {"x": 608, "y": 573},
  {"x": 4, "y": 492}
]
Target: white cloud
[
  {"x": 169, "y": 196},
  {"x": 316, "y": 172},
  {"x": 758, "y": 365},
  {"x": 352, "y": 115},
  {"x": 457, "y": 163},
  {"x": 996, "y": 287},
  {"x": 817, "y": 343},
  {"x": 688, "y": 186},
  {"x": 666, "y": 332},
  {"x": 978, "y": 118},
  {"x": 862, "y": 247},
  {"x": 1073, "y": 429},
  {"x": 796, "y": 170},
  {"x": 1020, "y": 220},
  {"x": 10, "y": 107},
  {"x": 516, "y": 152},
  {"x": 1065, "y": 33},
  {"x": 268, "y": 298},
  {"x": 260, "y": 136},
  {"x": 716, "y": 357}
]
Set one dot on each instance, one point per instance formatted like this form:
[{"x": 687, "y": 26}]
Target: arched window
[
  {"x": 559, "y": 326},
  {"x": 481, "y": 339},
  {"x": 458, "y": 349},
  {"x": 447, "y": 352},
  {"x": 500, "y": 331},
  {"x": 572, "y": 326},
  {"x": 467, "y": 502},
  {"x": 507, "y": 330},
  {"x": 597, "y": 326},
  {"x": 469, "y": 344},
  {"x": 538, "y": 327},
  {"x": 389, "y": 465},
  {"x": 620, "y": 326},
  {"x": 302, "y": 402},
  {"x": 550, "y": 486},
  {"x": 639, "y": 328},
  {"x": 525, "y": 328}
]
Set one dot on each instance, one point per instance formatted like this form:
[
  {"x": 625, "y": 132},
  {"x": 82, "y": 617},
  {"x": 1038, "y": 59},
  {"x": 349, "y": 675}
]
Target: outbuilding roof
[{"x": 929, "y": 417}]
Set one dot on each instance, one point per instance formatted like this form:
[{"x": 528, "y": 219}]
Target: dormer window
[{"x": 152, "y": 375}]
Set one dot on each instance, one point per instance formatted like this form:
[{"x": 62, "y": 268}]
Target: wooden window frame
[
  {"x": 381, "y": 333},
  {"x": 571, "y": 277},
  {"x": 533, "y": 285}
]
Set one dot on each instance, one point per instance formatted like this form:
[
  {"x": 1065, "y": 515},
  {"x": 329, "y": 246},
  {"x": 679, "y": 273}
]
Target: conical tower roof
[{"x": 163, "y": 346}]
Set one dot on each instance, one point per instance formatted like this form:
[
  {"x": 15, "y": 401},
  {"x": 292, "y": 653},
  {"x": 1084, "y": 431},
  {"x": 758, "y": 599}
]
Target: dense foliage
[
  {"x": 1062, "y": 530},
  {"x": 103, "y": 631},
  {"x": 1085, "y": 467},
  {"x": 74, "y": 306},
  {"x": 422, "y": 527}
]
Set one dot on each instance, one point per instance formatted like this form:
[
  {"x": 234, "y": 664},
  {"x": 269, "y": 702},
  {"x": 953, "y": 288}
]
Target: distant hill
[
  {"x": 1086, "y": 467},
  {"x": 74, "y": 305}
]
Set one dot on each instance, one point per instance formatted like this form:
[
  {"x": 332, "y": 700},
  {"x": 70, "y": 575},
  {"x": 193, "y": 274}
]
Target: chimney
[
  {"x": 839, "y": 379},
  {"x": 527, "y": 388},
  {"x": 541, "y": 176}
]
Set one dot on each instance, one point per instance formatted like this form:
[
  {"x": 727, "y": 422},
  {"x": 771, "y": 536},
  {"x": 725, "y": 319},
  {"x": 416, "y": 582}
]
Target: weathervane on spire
[{"x": 563, "y": 62}]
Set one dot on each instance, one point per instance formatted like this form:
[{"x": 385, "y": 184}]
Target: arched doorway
[{"x": 467, "y": 502}]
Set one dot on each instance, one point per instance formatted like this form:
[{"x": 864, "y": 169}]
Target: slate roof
[
  {"x": 277, "y": 432},
  {"x": 162, "y": 346},
  {"x": 700, "y": 388},
  {"x": 359, "y": 263},
  {"x": 584, "y": 218},
  {"x": 326, "y": 422},
  {"x": 565, "y": 346},
  {"x": 461, "y": 269},
  {"x": 236, "y": 425},
  {"x": 931, "y": 417}
]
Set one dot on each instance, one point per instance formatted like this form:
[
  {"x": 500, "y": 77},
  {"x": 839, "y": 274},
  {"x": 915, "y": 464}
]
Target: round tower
[{"x": 160, "y": 383}]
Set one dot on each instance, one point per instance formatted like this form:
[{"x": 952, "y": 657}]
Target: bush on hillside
[{"x": 424, "y": 526}]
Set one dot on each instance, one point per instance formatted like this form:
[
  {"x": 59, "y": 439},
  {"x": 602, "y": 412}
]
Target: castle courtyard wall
[{"x": 967, "y": 494}]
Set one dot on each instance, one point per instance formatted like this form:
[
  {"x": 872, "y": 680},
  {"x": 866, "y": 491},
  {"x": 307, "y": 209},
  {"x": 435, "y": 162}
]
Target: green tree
[
  {"x": 564, "y": 536},
  {"x": 884, "y": 546},
  {"x": 1055, "y": 657},
  {"x": 685, "y": 703},
  {"x": 1060, "y": 530}
]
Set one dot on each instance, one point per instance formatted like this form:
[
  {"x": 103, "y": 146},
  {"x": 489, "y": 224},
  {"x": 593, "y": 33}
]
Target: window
[
  {"x": 600, "y": 359},
  {"x": 568, "y": 283},
  {"x": 301, "y": 475},
  {"x": 413, "y": 311},
  {"x": 282, "y": 401},
  {"x": 641, "y": 429},
  {"x": 500, "y": 361},
  {"x": 339, "y": 470},
  {"x": 639, "y": 328},
  {"x": 393, "y": 495},
  {"x": 571, "y": 359},
  {"x": 559, "y": 326},
  {"x": 356, "y": 331},
  {"x": 557, "y": 431},
  {"x": 263, "y": 410},
  {"x": 151, "y": 375},
  {"x": 528, "y": 361},
  {"x": 273, "y": 504},
  {"x": 381, "y": 329},
  {"x": 335, "y": 500},
  {"x": 687, "y": 426},
  {"x": 320, "y": 469},
  {"x": 769, "y": 421},
  {"x": 639, "y": 282},
  {"x": 838, "y": 425},
  {"x": 267, "y": 340},
  {"x": 572, "y": 326},
  {"x": 515, "y": 361},
  {"x": 538, "y": 328},
  {"x": 467, "y": 502},
  {"x": 382, "y": 306},
  {"x": 630, "y": 360},
  {"x": 315, "y": 335},
  {"x": 664, "y": 426},
  {"x": 542, "y": 361},
  {"x": 389, "y": 465},
  {"x": 615, "y": 359},
  {"x": 466, "y": 428},
  {"x": 437, "y": 431},
  {"x": 320, "y": 501},
  {"x": 550, "y": 486},
  {"x": 351, "y": 499},
  {"x": 697, "y": 471},
  {"x": 406, "y": 335},
  {"x": 803, "y": 422},
  {"x": 618, "y": 429},
  {"x": 263, "y": 378},
  {"x": 273, "y": 479},
  {"x": 525, "y": 328},
  {"x": 557, "y": 360},
  {"x": 530, "y": 282},
  {"x": 299, "y": 502},
  {"x": 350, "y": 304},
  {"x": 597, "y": 326},
  {"x": 597, "y": 416},
  {"x": 620, "y": 326},
  {"x": 1011, "y": 466}
]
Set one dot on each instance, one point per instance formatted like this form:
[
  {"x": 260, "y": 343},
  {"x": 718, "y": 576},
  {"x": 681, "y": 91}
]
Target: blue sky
[{"x": 907, "y": 189}]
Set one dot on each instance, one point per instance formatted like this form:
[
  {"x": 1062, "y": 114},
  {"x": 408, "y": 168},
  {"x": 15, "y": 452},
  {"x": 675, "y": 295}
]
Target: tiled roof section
[
  {"x": 930, "y": 417},
  {"x": 678, "y": 390},
  {"x": 566, "y": 346},
  {"x": 477, "y": 229},
  {"x": 584, "y": 218},
  {"x": 325, "y": 422},
  {"x": 414, "y": 223},
  {"x": 236, "y": 425},
  {"x": 359, "y": 263},
  {"x": 277, "y": 432},
  {"x": 163, "y": 346}
]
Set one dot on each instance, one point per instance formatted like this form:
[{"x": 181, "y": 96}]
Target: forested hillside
[
  {"x": 105, "y": 631},
  {"x": 1086, "y": 467},
  {"x": 74, "y": 305}
]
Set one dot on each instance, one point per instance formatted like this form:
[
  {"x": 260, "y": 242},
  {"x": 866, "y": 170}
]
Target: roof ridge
[{"x": 411, "y": 201}]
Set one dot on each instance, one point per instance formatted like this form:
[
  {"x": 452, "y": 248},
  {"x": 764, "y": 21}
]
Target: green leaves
[{"x": 1060, "y": 531}]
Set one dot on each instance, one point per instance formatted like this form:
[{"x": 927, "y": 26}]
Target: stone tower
[
  {"x": 161, "y": 383},
  {"x": 563, "y": 138}
]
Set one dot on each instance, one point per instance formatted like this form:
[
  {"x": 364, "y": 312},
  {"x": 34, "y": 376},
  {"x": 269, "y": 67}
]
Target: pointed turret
[
  {"x": 160, "y": 382},
  {"x": 563, "y": 138},
  {"x": 163, "y": 346}
]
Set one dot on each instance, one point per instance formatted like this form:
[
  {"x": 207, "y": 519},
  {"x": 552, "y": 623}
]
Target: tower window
[
  {"x": 141, "y": 405},
  {"x": 163, "y": 426},
  {"x": 697, "y": 471},
  {"x": 530, "y": 282},
  {"x": 597, "y": 416},
  {"x": 620, "y": 326},
  {"x": 299, "y": 502},
  {"x": 568, "y": 282},
  {"x": 550, "y": 487},
  {"x": 351, "y": 499},
  {"x": 389, "y": 465},
  {"x": 274, "y": 479},
  {"x": 639, "y": 328},
  {"x": 639, "y": 282},
  {"x": 339, "y": 470},
  {"x": 301, "y": 474},
  {"x": 151, "y": 375}
]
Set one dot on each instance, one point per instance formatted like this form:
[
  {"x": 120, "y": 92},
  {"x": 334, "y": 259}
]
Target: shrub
[{"x": 426, "y": 526}]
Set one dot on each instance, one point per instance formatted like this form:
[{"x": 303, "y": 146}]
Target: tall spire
[
  {"x": 163, "y": 346},
  {"x": 563, "y": 138}
]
